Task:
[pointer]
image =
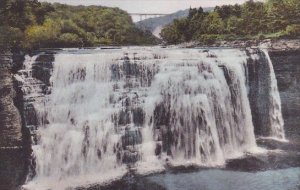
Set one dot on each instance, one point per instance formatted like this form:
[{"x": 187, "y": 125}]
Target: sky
[{"x": 150, "y": 6}]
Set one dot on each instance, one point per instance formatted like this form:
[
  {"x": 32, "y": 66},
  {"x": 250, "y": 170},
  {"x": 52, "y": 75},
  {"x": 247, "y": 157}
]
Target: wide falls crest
[{"x": 108, "y": 111}]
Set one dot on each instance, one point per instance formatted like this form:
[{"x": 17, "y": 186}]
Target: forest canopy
[
  {"x": 29, "y": 24},
  {"x": 251, "y": 20}
]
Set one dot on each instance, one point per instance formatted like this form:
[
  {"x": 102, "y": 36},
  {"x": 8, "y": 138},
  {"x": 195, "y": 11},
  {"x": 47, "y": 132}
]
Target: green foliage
[
  {"x": 213, "y": 24},
  {"x": 45, "y": 25},
  {"x": 292, "y": 30},
  {"x": 45, "y": 35},
  {"x": 70, "y": 40},
  {"x": 10, "y": 37},
  {"x": 252, "y": 20},
  {"x": 227, "y": 11},
  {"x": 261, "y": 36},
  {"x": 171, "y": 34},
  {"x": 209, "y": 39},
  {"x": 282, "y": 13},
  {"x": 233, "y": 25}
]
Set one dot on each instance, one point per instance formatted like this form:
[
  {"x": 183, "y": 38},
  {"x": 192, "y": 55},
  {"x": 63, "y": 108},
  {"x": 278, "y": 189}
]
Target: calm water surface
[{"x": 284, "y": 179}]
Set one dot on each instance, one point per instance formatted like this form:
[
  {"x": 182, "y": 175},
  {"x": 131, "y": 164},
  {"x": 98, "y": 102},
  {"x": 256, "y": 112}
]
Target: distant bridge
[{"x": 147, "y": 15}]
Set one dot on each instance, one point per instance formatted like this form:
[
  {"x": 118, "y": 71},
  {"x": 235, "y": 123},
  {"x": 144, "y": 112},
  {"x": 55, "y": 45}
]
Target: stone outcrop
[
  {"x": 13, "y": 148},
  {"x": 10, "y": 119}
]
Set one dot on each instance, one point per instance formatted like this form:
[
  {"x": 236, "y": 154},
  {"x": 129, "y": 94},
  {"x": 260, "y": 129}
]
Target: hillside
[
  {"x": 28, "y": 24},
  {"x": 156, "y": 24},
  {"x": 251, "y": 20}
]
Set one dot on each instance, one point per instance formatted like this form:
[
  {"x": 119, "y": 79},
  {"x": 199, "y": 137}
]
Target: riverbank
[{"x": 270, "y": 44}]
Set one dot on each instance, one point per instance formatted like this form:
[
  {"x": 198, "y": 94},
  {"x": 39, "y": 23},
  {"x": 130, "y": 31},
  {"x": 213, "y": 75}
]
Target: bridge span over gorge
[{"x": 143, "y": 16}]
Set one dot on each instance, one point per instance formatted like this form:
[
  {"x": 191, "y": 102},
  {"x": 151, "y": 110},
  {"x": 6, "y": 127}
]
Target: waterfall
[
  {"x": 264, "y": 96},
  {"x": 277, "y": 123},
  {"x": 33, "y": 91},
  {"x": 142, "y": 109}
]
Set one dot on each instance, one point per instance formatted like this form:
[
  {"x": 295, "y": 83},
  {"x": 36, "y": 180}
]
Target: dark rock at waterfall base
[
  {"x": 268, "y": 161},
  {"x": 128, "y": 183},
  {"x": 272, "y": 144},
  {"x": 13, "y": 167},
  {"x": 280, "y": 155}
]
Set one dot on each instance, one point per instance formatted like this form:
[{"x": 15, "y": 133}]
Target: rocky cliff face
[
  {"x": 13, "y": 149},
  {"x": 10, "y": 119},
  {"x": 287, "y": 69}
]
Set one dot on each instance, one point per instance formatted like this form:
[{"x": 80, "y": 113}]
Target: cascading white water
[
  {"x": 143, "y": 108},
  {"x": 210, "y": 120},
  {"x": 264, "y": 96},
  {"x": 32, "y": 90},
  {"x": 277, "y": 123}
]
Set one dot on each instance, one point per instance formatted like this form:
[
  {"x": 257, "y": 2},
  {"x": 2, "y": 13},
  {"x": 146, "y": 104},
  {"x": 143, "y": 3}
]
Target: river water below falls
[
  {"x": 213, "y": 179},
  {"x": 96, "y": 115}
]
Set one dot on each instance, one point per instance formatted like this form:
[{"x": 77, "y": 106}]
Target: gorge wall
[
  {"x": 13, "y": 146},
  {"x": 10, "y": 119},
  {"x": 287, "y": 69}
]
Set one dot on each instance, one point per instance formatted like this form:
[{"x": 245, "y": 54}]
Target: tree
[
  {"x": 252, "y": 19},
  {"x": 293, "y": 30},
  {"x": 53, "y": 25},
  {"x": 234, "y": 25},
  {"x": 281, "y": 13},
  {"x": 42, "y": 36},
  {"x": 70, "y": 40},
  {"x": 10, "y": 38},
  {"x": 171, "y": 35},
  {"x": 195, "y": 24},
  {"x": 213, "y": 24},
  {"x": 227, "y": 11}
]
